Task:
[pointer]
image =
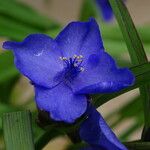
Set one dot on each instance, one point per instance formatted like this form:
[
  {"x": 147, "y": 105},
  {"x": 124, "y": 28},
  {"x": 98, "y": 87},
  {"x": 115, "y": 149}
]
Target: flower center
[{"x": 73, "y": 66}]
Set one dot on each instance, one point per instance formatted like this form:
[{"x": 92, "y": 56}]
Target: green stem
[
  {"x": 45, "y": 137},
  {"x": 137, "y": 145}
]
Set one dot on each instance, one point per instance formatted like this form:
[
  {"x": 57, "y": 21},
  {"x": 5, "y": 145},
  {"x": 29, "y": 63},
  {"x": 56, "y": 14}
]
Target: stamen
[
  {"x": 74, "y": 62},
  {"x": 81, "y": 69},
  {"x": 80, "y": 60},
  {"x": 75, "y": 56},
  {"x": 80, "y": 56},
  {"x": 75, "y": 65},
  {"x": 63, "y": 58},
  {"x": 60, "y": 58}
]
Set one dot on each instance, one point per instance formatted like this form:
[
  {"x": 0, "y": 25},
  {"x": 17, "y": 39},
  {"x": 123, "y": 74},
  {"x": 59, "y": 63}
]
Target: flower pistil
[{"x": 73, "y": 66}]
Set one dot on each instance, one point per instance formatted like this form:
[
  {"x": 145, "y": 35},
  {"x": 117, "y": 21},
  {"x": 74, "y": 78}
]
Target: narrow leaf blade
[
  {"x": 136, "y": 51},
  {"x": 18, "y": 131},
  {"x": 129, "y": 32}
]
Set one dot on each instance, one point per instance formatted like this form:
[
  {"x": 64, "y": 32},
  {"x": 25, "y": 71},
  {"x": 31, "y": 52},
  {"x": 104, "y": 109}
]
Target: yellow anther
[
  {"x": 81, "y": 69},
  {"x": 75, "y": 65},
  {"x": 60, "y": 58},
  {"x": 80, "y": 56},
  {"x": 75, "y": 56},
  {"x": 64, "y": 58},
  {"x": 79, "y": 60}
]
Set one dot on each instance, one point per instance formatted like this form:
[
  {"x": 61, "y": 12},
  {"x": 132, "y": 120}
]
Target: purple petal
[
  {"x": 96, "y": 132},
  {"x": 105, "y": 9},
  {"x": 37, "y": 57},
  {"x": 60, "y": 101},
  {"x": 80, "y": 38},
  {"x": 101, "y": 75}
]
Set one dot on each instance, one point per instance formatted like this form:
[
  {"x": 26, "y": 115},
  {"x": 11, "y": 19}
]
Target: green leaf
[
  {"x": 126, "y": 111},
  {"x": 6, "y": 108},
  {"x": 88, "y": 10},
  {"x": 77, "y": 146},
  {"x": 8, "y": 75},
  {"x": 129, "y": 131},
  {"x": 3, "y": 109},
  {"x": 129, "y": 32},
  {"x": 14, "y": 30},
  {"x": 118, "y": 50},
  {"x": 112, "y": 32},
  {"x": 24, "y": 14},
  {"x": 17, "y": 131},
  {"x": 45, "y": 137},
  {"x": 21, "y": 20},
  {"x": 137, "y": 145},
  {"x": 135, "y": 49},
  {"x": 7, "y": 68}
]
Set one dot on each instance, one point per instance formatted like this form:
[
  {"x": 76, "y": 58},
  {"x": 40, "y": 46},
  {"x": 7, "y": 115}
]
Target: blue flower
[
  {"x": 65, "y": 69},
  {"x": 105, "y": 9},
  {"x": 97, "y": 133}
]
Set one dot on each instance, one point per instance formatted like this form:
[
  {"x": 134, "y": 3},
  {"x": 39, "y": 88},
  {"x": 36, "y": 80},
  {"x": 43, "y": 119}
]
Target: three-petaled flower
[{"x": 65, "y": 69}]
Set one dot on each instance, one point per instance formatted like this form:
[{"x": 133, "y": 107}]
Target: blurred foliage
[
  {"x": 17, "y": 20},
  {"x": 16, "y": 24}
]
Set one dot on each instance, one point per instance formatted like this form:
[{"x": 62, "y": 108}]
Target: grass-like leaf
[
  {"x": 3, "y": 109},
  {"x": 135, "y": 49},
  {"x": 22, "y": 20},
  {"x": 18, "y": 131},
  {"x": 8, "y": 76},
  {"x": 88, "y": 9},
  {"x": 45, "y": 137},
  {"x": 24, "y": 14},
  {"x": 129, "y": 32},
  {"x": 138, "y": 145},
  {"x": 112, "y": 32},
  {"x": 7, "y": 68},
  {"x": 14, "y": 30}
]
